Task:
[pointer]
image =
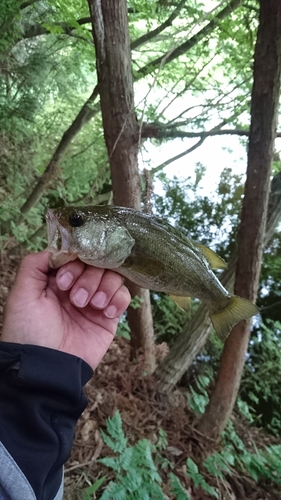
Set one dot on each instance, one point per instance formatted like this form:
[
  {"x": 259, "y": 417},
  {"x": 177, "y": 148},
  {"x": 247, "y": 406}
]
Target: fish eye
[{"x": 76, "y": 220}]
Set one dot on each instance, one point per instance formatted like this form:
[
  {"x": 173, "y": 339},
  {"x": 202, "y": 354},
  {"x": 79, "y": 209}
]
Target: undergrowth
[{"x": 137, "y": 468}]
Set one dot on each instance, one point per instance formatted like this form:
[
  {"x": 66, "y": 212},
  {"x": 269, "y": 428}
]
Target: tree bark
[
  {"x": 85, "y": 114},
  {"x": 264, "y": 109},
  {"x": 121, "y": 132}
]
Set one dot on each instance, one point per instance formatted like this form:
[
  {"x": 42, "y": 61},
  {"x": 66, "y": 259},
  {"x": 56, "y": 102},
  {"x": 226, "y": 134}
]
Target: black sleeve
[{"x": 41, "y": 399}]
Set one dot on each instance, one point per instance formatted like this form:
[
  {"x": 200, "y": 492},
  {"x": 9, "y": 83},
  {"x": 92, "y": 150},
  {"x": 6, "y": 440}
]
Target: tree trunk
[
  {"x": 121, "y": 132},
  {"x": 264, "y": 109},
  {"x": 85, "y": 114}
]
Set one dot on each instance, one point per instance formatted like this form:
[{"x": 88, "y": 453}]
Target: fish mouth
[{"x": 58, "y": 241}]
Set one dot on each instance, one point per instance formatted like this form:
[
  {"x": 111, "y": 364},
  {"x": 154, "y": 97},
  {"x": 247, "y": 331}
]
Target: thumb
[{"x": 32, "y": 277}]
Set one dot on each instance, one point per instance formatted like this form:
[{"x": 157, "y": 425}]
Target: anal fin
[{"x": 182, "y": 302}]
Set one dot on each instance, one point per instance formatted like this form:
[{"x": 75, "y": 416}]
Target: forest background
[{"x": 88, "y": 92}]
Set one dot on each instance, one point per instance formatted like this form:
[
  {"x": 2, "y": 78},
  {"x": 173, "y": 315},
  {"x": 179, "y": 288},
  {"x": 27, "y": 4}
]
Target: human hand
[{"x": 74, "y": 310}]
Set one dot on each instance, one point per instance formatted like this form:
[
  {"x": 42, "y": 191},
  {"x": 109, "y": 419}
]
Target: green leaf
[
  {"x": 177, "y": 489},
  {"x": 198, "y": 479},
  {"x": 116, "y": 439},
  {"x": 93, "y": 488}
]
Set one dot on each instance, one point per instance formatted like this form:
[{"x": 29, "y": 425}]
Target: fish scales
[{"x": 148, "y": 251}]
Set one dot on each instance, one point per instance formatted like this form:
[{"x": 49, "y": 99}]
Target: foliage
[
  {"x": 270, "y": 286},
  {"x": 259, "y": 395},
  {"x": 93, "y": 488},
  {"x": 43, "y": 81},
  {"x": 123, "y": 329},
  {"x": 260, "y": 386},
  {"x": 48, "y": 71},
  {"x": 260, "y": 465},
  {"x": 211, "y": 219},
  {"x": 198, "y": 479},
  {"x": 135, "y": 471},
  {"x": 168, "y": 318},
  {"x": 177, "y": 488},
  {"x": 199, "y": 397},
  {"x": 137, "y": 468}
]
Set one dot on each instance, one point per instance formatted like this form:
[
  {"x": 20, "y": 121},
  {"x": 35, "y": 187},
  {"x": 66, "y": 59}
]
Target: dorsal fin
[{"x": 215, "y": 261}]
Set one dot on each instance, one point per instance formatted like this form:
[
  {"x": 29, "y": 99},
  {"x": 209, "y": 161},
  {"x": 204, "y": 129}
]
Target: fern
[
  {"x": 219, "y": 463},
  {"x": 114, "y": 491},
  {"x": 177, "y": 489},
  {"x": 136, "y": 474},
  {"x": 162, "y": 442},
  {"x": 198, "y": 479},
  {"x": 116, "y": 439}
]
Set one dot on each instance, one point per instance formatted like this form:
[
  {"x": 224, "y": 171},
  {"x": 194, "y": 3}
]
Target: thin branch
[
  {"x": 24, "y": 5},
  {"x": 84, "y": 20},
  {"x": 186, "y": 86},
  {"x": 266, "y": 308},
  {"x": 177, "y": 157},
  {"x": 82, "y": 151},
  {"x": 184, "y": 47},
  {"x": 148, "y": 36},
  {"x": 215, "y": 104},
  {"x": 203, "y": 137}
]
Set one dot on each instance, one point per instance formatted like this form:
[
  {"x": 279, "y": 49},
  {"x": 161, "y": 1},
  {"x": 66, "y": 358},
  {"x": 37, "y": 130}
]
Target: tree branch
[
  {"x": 148, "y": 36},
  {"x": 186, "y": 46},
  {"x": 157, "y": 131},
  {"x": 216, "y": 129},
  {"x": 38, "y": 30},
  {"x": 84, "y": 116},
  {"x": 177, "y": 157},
  {"x": 24, "y": 5}
]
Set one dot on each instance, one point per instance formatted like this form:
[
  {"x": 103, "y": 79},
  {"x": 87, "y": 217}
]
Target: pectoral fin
[
  {"x": 182, "y": 302},
  {"x": 215, "y": 261}
]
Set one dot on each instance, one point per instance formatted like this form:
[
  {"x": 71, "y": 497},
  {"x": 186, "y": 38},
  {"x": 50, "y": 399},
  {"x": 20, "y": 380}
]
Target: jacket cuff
[{"x": 41, "y": 392}]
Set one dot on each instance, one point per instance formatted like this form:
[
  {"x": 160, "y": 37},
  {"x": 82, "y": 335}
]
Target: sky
[{"x": 216, "y": 153}]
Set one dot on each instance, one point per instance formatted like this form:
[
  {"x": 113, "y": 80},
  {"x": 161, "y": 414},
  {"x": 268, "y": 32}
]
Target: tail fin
[{"x": 236, "y": 310}]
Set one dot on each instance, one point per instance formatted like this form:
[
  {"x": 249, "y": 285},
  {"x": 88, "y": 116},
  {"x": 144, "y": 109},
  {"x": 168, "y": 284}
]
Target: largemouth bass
[{"x": 148, "y": 251}]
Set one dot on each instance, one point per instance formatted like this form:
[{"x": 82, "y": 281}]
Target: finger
[
  {"x": 110, "y": 283},
  {"x": 68, "y": 274},
  {"x": 86, "y": 286},
  {"x": 118, "y": 304},
  {"x": 103, "y": 318}
]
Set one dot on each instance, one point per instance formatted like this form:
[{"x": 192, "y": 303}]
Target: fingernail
[
  {"x": 80, "y": 297},
  {"x": 110, "y": 312},
  {"x": 99, "y": 299},
  {"x": 65, "y": 280}
]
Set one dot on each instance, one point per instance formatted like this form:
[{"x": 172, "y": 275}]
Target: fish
[{"x": 148, "y": 251}]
